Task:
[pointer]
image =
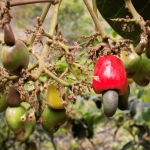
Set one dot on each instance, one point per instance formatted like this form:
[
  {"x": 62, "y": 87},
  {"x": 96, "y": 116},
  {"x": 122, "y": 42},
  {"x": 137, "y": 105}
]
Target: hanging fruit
[
  {"x": 54, "y": 119},
  {"x": 123, "y": 100},
  {"x": 123, "y": 58},
  {"x": 143, "y": 76},
  {"x": 133, "y": 64},
  {"x": 15, "y": 58},
  {"x": 13, "y": 97},
  {"x": 18, "y": 122},
  {"x": 53, "y": 97},
  {"x": 110, "y": 81}
]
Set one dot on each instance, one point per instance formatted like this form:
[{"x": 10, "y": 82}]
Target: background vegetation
[{"x": 125, "y": 130}]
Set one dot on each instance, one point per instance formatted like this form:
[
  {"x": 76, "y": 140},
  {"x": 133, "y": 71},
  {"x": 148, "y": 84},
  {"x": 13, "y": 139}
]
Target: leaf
[
  {"x": 111, "y": 9},
  {"x": 95, "y": 42},
  {"x": 144, "y": 143},
  {"x": 114, "y": 34},
  {"x": 145, "y": 114},
  {"x": 140, "y": 93},
  {"x": 97, "y": 118},
  {"x": 128, "y": 145}
]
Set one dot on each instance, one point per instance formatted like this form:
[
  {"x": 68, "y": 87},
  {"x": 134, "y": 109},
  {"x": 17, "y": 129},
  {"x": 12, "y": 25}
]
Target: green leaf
[
  {"x": 145, "y": 114},
  {"x": 141, "y": 92},
  {"x": 129, "y": 145},
  {"x": 95, "y": 42},
  {"x": 114, "y": 34},
  {"x": 111, "y": 9}
]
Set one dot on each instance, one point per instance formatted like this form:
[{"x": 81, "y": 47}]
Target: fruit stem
[
  {"x": 95, "y": 11},
  {"x": 97, "y": 23},
  {"x": 94, "y": 17},
  {"x": 29, "y": 2},
  {"x": 135, "y": 14}
]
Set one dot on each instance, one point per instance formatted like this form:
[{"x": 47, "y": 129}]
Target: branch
[
  {"x": 66, "y": 48},
  {"x": 95, "y": 11},
  {"x": 46, "y": 47},
  {"x": 29, "y": 2},
  {"x": 42, "y": 18},
  {"x": 97, "y": 24},
  {"x": 135, "y": 14},
  {"x": 57, "y": 79},
  {"x": 94, "y": 17}
]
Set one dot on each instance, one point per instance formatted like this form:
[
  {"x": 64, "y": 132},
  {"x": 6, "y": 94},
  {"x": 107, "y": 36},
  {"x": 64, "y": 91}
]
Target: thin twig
[{"x": 12, "y": 4}]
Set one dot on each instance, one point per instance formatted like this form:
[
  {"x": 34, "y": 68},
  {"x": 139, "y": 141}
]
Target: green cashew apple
[
  {"x": 21, "y": 129},
  {"x": 133, "y": 64},
  {"x": 26, "y": 105},
  {"x": 54, "y": 119},
  {"x": 123, "y": 100},
  {"x": 3, "y": 103},
  {"x": 143, "y": 76},
  {"x": 15, "y": 58}
]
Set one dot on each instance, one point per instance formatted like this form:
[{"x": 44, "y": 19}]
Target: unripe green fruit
[
  {"x": 13, "y": 117},
  {"x": 110, "y": 102},
  {"x": 3, "y": 103},
  {"x": 133, "y": 64},
  {"x": 123, "y": 100},
  {"x": 143, "y": 76},
  {"x": 54, "y": 119},
  {"x": 15, "y": 58},
  {"x": 21, "y": 129}
]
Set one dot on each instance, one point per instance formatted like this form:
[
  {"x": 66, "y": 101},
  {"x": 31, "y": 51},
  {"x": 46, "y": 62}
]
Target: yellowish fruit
[
  {"x": 122, "y": 56},
  {"x": 53, "y": 97},
  {"x": 130, "y": 80}
]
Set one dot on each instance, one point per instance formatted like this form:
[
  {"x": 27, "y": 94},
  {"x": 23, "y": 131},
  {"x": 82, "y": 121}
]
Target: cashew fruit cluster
[
  {"x": 111, "y": 81},
  {"x": 138, "y": 68},
  {"x": 54, "y": 114},
  {"x": 19, "y": 120}
]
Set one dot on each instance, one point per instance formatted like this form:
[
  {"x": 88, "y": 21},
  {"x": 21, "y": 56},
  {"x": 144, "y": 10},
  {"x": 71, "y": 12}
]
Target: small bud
[
  {"x": 31, "y": 116},
  {"x": 45, "y": 87},
  {"x": 64, "y": 103},
  {"x": 23, "y": 118}
]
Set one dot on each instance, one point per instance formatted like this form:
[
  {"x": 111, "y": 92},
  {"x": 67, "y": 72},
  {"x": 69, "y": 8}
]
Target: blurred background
[{"x": 88, "y": 129}]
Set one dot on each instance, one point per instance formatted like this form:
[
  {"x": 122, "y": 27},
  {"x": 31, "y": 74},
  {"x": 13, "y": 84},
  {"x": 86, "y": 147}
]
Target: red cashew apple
[{"x": 110, "y": 77}]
